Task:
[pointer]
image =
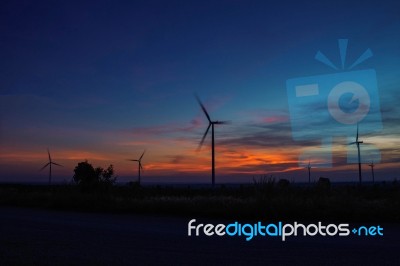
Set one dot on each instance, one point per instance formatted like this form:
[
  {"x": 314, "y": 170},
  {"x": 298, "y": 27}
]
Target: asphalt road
[{"x": 42, "y": 237}]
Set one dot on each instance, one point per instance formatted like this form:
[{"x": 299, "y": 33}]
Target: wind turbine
[
  {"x": 358, "y": 142},
  {"x": 139, "y": 164},
  {"x": 372, "y": 169},
  {"x": 49, "y": 164},
  {"x": 210, "y": 124},
  {"x": 309, "y": 172}
]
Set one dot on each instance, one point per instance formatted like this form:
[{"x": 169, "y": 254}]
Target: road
[{"x": 43, "y": 237}]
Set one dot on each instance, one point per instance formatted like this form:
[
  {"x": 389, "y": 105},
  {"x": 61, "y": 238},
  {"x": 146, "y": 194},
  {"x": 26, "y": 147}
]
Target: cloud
[
  {"x": 275, "y": 119},
  {"x": 177, "y": 159},
  {"x": 165, "y": 129},
  {"x": 141, "y": 143},
  {"x": 267, "y": 135}
]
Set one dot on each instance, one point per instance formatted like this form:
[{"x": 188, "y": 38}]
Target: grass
[{"x": 264, "y": 200}]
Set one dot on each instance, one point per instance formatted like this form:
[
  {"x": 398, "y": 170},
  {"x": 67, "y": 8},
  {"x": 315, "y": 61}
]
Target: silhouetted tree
[
  {"x": 90, "y": 178},
  {"x": 106, "y": 176}
]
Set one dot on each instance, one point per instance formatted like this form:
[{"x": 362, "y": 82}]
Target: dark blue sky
[{"x": 103, "y": 80}]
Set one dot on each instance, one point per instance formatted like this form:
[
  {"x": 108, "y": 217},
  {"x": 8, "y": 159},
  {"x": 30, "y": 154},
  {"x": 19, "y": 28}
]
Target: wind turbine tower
[
  {"x": 358, "y": 142},
  {"x": 210, "y": 124},
  {"x": 372, "y": 170},
  {"x": 49, "y": 164},
  {"x": 140, "y": 167},
  {"x": 309, "y": 172}
]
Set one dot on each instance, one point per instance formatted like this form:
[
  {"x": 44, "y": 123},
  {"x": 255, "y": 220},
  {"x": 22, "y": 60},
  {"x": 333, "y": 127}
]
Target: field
[
  {"x": 131, "y": 225},
  {"x": 265, "y": 199}
]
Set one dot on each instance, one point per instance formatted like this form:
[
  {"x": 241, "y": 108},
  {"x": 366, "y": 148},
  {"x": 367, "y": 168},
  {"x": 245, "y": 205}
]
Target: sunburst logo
[{"x": 332, "y": 105}]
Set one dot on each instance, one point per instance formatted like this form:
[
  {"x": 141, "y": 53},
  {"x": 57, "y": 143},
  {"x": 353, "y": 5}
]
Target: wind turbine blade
[
  {"x": 222, "y": 122},
  {"x": 351, "y": 143},
  {"x": 57, "y": 164},
  {"x": 202, "y": 107},
  {"x": 48, "y": 152},
  {"x": 131, "y": 160},
  {"x": 357, "y": 133},
  {"x": 142, "y": 155},
  {"x": 204, "y": 137},
  {"x": 47, "y": 164},
  {"x": 141, "y": 167}
]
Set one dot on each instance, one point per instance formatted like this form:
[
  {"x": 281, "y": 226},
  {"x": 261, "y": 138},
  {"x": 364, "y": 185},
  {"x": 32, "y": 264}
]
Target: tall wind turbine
[
  {"x": 210, "y": 124},
  {"x": 140, "y": 167},
  {"x": 309, "y": 172},
  {"x": 372, "y": 169},
  {"x": 49, "y": 164},
  {"x": 358, "y": 142}
]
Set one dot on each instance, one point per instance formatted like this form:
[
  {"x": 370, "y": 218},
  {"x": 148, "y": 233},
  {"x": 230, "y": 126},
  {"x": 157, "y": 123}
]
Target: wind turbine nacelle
[{"x": 369, "y": 153}]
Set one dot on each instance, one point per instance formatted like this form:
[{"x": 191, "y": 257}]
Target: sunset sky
[{"x": 105, "y": 80}]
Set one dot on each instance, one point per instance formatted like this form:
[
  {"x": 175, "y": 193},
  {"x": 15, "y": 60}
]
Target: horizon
[{"x": 104, "y": 82}]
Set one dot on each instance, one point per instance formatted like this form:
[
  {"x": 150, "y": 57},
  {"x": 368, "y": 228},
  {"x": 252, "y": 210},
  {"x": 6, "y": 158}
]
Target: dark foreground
[
  {"x": 265, "y": 199},
  {"x": 42, "y": 237}
]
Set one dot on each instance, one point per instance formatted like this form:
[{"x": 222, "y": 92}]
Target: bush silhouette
[
  {"x": 90, "y": 178},
  {"x": 323, "y": 184}
]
